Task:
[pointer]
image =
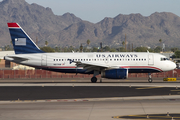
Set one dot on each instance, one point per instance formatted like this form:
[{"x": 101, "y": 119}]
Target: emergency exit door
[
  {"x": 43, "y": 60},
  {"x": 151, "y": 59}
]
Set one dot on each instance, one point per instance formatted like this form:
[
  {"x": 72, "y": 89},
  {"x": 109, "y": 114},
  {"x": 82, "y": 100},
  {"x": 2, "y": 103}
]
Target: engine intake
[{"x": 115, "y": 74}]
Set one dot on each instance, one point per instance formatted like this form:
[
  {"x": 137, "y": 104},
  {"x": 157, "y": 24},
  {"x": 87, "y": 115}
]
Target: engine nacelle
[{"x": 115, "y": 74}]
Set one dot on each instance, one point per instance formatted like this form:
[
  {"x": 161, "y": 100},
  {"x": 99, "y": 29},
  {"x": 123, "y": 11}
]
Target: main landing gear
[
  {"x": 150, "y": 78},
  {"x": 94, "y": 78}
]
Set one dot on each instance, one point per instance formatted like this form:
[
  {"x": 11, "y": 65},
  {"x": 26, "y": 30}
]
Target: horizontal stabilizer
[{"x": 15, "y": 58}]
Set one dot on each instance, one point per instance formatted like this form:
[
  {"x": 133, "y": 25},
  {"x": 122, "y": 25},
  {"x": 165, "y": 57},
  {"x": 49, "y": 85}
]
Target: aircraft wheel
[
  {"x": 150, "y": 80},
  {"x": 93, "y": 79}
]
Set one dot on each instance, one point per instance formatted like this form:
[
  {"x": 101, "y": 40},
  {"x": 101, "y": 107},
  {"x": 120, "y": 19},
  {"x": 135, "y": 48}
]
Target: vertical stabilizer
[{"x": 22, "y": 43}]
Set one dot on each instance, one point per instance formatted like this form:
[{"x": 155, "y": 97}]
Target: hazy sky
[{"x": 95, "y": 10}]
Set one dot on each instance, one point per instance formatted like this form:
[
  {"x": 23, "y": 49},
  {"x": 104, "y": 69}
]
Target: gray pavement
[
  {"x": 85, "y": 80},
  {"x": 97, "y": 108},
  {"x": 89, "y": 110},
  {"x": 170, "y": 84}
]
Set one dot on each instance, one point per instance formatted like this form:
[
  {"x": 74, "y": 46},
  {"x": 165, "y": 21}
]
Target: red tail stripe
[{"x": 13, "y": 25}]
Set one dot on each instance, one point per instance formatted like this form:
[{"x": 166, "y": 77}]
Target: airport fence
[{"x": 43, "y": 74}]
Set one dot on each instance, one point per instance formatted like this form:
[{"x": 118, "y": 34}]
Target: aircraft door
[
  {"x": 151, "y": 59},
  {"x": 43, "y": 60}
]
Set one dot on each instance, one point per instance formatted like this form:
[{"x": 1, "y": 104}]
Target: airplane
[{"x": 112, "y": 65}]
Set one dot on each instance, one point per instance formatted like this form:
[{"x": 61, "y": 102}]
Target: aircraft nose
[
  {"x": 169, "y": 66},
  {"x": 173, "y": 65}
]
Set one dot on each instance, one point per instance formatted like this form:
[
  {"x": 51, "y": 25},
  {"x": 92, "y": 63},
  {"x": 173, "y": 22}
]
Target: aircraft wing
[
  {"x": 90, "y": 66},
  {"x": 86, "y": 65}
]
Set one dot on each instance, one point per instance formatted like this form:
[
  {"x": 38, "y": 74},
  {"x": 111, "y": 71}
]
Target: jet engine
[{"x": 115, "y": 74}]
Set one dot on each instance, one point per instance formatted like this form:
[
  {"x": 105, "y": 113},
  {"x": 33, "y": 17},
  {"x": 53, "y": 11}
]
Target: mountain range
[{"x": 68, "y": 30}]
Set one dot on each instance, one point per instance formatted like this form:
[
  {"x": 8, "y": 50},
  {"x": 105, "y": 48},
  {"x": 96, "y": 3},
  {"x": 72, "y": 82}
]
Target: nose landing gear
[{"x": 150, "y": 78}]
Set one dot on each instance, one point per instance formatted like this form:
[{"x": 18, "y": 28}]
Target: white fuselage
[{"x": 66, "y": 62}]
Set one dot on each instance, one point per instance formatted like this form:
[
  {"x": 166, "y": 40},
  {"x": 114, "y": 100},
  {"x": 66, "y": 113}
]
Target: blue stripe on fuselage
[
  {"x": 148, "y": 70},
  {"x": 83, "y": 71}
]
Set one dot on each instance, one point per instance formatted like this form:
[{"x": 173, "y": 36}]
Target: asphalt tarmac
[
  {"x": 82, "y": 100},
  {"x": 76, "y": 92}
]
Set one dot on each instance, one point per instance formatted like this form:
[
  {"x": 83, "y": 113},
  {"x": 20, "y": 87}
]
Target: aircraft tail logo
[{"x": 22, "y": 43}]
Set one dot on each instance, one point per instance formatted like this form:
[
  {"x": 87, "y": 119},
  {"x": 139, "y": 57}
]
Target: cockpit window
[{"x": 164, "y": 59}]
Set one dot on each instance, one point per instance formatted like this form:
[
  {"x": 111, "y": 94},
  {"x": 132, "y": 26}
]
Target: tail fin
[{"x": 22, "y": 43}]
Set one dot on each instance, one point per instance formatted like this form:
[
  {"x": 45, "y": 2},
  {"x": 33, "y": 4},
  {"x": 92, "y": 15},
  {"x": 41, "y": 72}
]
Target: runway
[
  {"x": 88, "y": 101},
  {"x": 76, "y": 92}
]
